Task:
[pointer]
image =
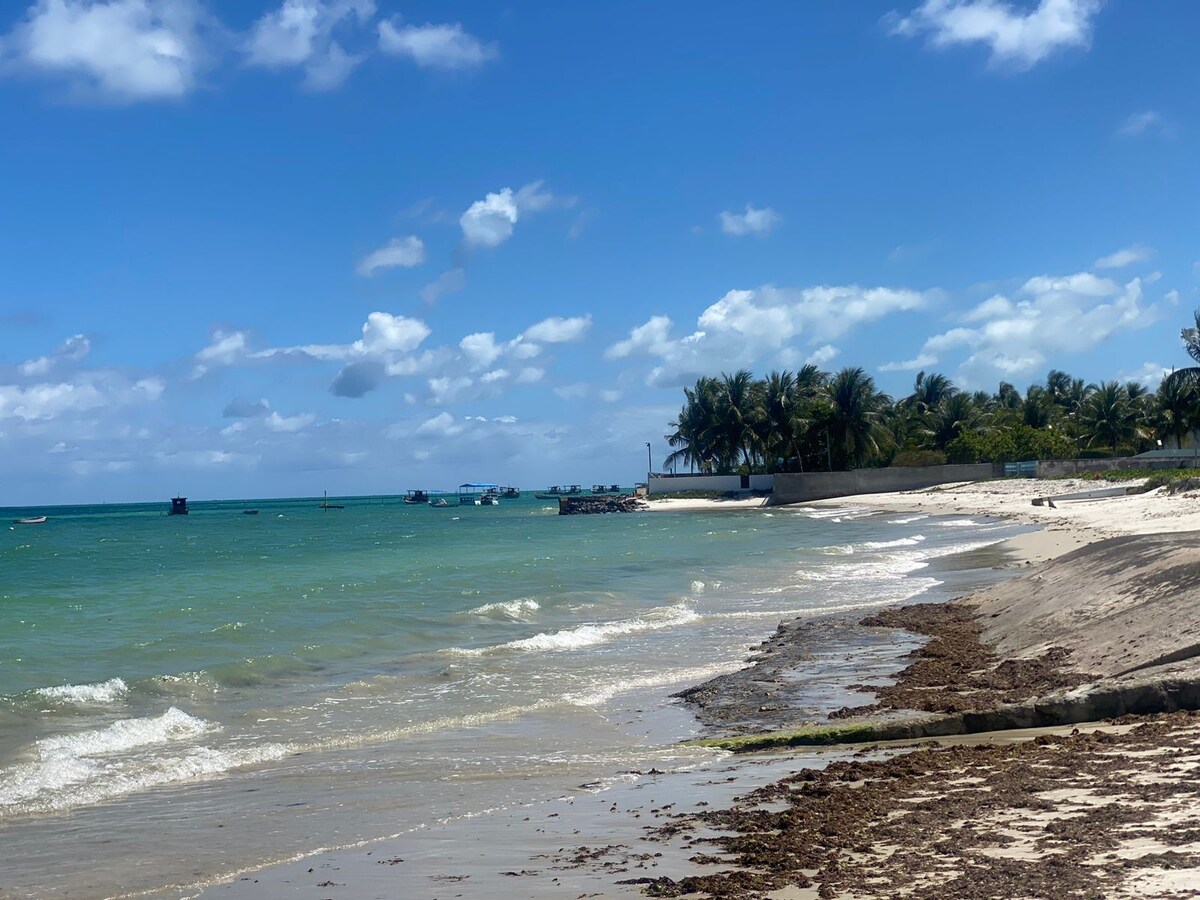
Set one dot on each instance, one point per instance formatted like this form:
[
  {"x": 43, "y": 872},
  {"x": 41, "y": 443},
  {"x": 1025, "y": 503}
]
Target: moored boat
[
  {"x": 478, "y": 493},
  {"x": 417, "y": 496},
  {"x": 555, "y": 491},
  {"x": 510, "y": 493},
  {"x": 440, "y": 503},
  {"x": 31, "y": 520}
]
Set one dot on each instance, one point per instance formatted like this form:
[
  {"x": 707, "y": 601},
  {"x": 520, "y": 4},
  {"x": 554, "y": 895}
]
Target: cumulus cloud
[
  {"x": 73, "y": 349},
  {"x": 822, "y": 356},
  {"x": 289, "y": 424},
  {"x": 481, "y": 349},
  {"x": 406, "y": 253},
  {"x": 1150, "y": 374},
  {"x": 489, "y": 222},
  {"x": 391, "y": 347},
  {"x": 1125, "y": 257},
  {"x": 745, "y": 327},
  {"x": 1018, "y": 38},
  {"x": 557, "y": 330},
  {"x": 300, "y": 33},
  {"x": 120, "y": 50},
  {"x": 758, "y": 222},
  {"x": 435, "y": 46},
  {"x": 86, "y": 392},
  {"x": 1049, "y": 316},
  {"x": 441, "y": 425}
]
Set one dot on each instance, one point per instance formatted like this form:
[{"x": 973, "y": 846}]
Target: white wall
[{"x": 661, "y": 484}]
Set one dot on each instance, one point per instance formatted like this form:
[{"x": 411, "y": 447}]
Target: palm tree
[
  {"x": 928, "y": 391},
  {"x": 1036, "y": 408},
  {"x": 1187, "y": 380},
  {"x": 854, "y": 414},
  {"x": 693, "y": 435},
  {"x": 1107, "y": 415},
  {"x": 738, "y": 414},
  {"x": 775, "y": 425},
  {"x": 953, "y": 415},
  {"x": 1175, "y": 409},
  {"x": 1058, "y": 386}
]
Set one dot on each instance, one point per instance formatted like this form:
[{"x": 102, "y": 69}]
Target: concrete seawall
[{"x": 797, "y": 488}]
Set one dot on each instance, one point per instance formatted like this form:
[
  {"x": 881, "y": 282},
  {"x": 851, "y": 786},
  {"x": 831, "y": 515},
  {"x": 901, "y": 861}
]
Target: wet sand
[{"x": 1089, "y": 810}]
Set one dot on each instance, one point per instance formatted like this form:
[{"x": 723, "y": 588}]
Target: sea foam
[
  {"x": 86, "y": 767},
  {"x": 507, "y": 609},
  {"x": 102, "y": 692},
  {"x": 590, "y": 634}
]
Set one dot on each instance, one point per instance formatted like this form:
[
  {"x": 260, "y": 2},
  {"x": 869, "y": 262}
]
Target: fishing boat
[
  {"x": 554, "y": 492},
  {"x": 325, "y": 504},
  {"x": 417, "y": 497},
  {"x": 473, "y": 493},
  {"x": 510, "y": 493},
  {"x": 440, "y": 503},
  {"x": 31, "y": 520},
  {"x": 605, "y": 489}
]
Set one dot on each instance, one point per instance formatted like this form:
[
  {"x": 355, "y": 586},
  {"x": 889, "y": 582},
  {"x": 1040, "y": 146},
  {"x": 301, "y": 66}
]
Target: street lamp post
[{"x": 649, "y": 461}]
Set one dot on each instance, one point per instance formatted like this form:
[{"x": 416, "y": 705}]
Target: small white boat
[
  {"x": 32, "y": 520},
  {"x": 440, "y": 503}
]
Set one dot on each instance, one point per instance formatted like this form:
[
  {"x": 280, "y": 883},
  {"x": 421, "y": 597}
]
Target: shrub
[
  {"x": 919, "y": 458},
  {"x": 1014, "y": 444}
]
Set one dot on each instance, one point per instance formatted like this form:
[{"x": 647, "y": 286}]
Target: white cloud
[
  {"x": 289, "y": 424},
  {"x": 119, "y": 50},
  {"x": 299, "y": 33},
  {"x": 384, "y": 332},
  {"x": 1150, "y": 374},
  {"x": 557, "y": 330},
  {"x": 652, "y": 338},
  {"x": 489, "y": 222},
  {"x": 910, "y": 365},
  {"x": 1050, "y": 317},
  {"x": 435, "y": 46},
  {"x": 225, "y": 349},
  {"x": 446, "y": 389},
  {"x": 1142, "y": 123},
  {"x": 530, "y": 375},
  {"x": 747, "y": 326},
  {"x": 481, "y": 349},
  {"x": 759, "y": 222},
  {"x": 86, "y": 392},
  {"x": 406, "y": 252},
  {"x": 1124, "y": 257},
  {"x": 493, "y": 376},
  {"x": 73, "y": 349},
  {"x": 441, "y": 425},
  {"x": 823, "y": 355},
  {"x": 1018, "y": 38}
]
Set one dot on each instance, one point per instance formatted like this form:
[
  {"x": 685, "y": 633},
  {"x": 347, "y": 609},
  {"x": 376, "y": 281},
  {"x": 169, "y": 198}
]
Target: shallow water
[{"x": 230, "y": 690}]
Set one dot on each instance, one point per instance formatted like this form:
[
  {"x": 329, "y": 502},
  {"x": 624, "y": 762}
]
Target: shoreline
[{"x": 599, "y": 840}]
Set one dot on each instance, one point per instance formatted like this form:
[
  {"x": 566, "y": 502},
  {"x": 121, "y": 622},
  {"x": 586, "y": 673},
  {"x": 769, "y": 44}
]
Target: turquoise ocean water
[{"x": 185, "y": 698}]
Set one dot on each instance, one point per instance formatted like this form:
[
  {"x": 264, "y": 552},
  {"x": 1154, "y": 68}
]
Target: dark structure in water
[{"x": 178, "y": 506}]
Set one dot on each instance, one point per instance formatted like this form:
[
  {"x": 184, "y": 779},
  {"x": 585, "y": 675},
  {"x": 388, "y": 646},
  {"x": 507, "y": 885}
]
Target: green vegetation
[
  {"x": 812, "y": 736},
  {"x": 811, "y": 420}
]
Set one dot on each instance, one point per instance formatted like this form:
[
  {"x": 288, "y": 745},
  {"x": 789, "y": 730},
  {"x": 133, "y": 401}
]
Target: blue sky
[{"x": 259, "y": 248}]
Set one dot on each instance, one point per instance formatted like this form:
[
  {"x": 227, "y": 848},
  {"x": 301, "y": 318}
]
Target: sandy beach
[{"x": 1035, "y": 750}]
